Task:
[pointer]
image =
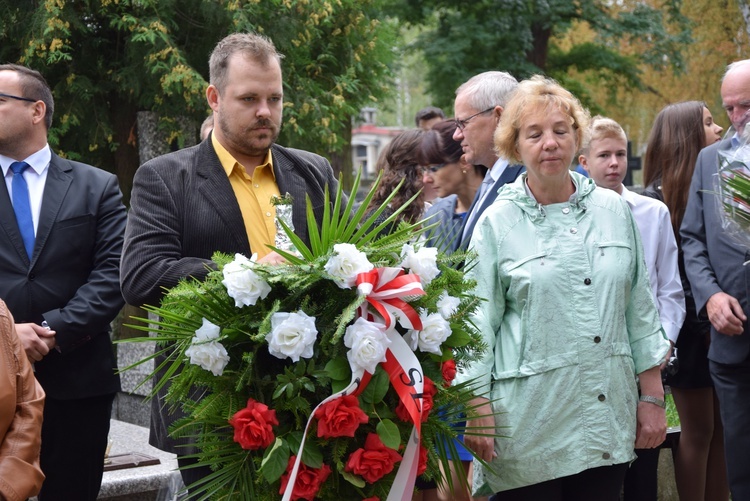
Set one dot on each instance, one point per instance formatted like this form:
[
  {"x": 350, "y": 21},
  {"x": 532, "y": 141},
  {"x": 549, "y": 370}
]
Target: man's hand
[
  {"x": 725, "y": 314},
  {"x": 481, "y": 441},
  {"x": 36, "y": 340},
  {"x": 272, "y": 258}
]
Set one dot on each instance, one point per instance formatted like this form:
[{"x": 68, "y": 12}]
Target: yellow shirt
[{"x": 254, "y": 194}]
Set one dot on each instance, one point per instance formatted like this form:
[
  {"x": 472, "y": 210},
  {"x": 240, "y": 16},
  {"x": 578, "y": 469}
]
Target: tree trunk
[
  {"x": 342, "y": 162},
  {"x": 126, "y": 159},
  {"x": 538, "y": 53},
  {"x": 745, "y": 11}
]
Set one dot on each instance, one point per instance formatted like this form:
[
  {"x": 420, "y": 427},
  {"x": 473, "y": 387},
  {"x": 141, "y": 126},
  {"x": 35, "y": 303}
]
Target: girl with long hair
[{"x": 679, "y": 132}]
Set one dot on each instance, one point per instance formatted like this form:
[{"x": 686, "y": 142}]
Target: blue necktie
[{"x": 22, "y": 206}]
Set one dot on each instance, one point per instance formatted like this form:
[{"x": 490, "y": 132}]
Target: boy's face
[{"x": 607, "y": 162}]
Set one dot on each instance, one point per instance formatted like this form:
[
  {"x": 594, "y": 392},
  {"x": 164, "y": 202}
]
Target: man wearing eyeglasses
[
  {"x": 478, "y": 107},
  {"x": 61, "y": 235}
]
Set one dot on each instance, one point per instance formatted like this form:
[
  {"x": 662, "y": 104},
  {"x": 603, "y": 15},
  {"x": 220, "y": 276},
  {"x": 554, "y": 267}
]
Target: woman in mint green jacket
[{"x": 569, "y": 319}]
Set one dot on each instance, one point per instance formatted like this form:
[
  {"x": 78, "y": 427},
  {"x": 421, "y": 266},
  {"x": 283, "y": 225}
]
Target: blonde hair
[
  {"x": 531, "y": 95},
  {"x": 602, "y": 128}
]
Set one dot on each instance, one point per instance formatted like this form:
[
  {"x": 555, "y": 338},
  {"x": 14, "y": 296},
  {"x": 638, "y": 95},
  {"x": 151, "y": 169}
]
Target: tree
[
  {"x": 108, "y": 59},
  {"x": 524, "y": 38}
]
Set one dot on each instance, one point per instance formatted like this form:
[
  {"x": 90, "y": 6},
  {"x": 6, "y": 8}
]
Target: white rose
[
  {"x": 368, "y": 343},
  {"x": 423, "y": 262},
  {"x": 346, "y": 263},
  {"x": 206, "y": 352},
  {"x": 447, "y": 305},
  {"x": 435, "y": 330},
  {"x": 292, "y": 335},
  {"x": 242, "y": 283}
]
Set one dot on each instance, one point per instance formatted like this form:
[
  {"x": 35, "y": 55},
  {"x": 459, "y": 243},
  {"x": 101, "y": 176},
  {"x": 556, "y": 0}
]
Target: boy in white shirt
[{"x": 604, "y": 156}]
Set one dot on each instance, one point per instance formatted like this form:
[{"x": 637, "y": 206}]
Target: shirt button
[
  {"x": 565, "y": 210},
  {"x": 597, "y": 339},
  {"x": 587, "y": 281},
  {"x": 257, "y": 186},
  {"x": 574, "y": 230},
  {"x": 602, "y": 398},
  {"x": 606, "y": 455},
  {"x": 268, "y": 214}
]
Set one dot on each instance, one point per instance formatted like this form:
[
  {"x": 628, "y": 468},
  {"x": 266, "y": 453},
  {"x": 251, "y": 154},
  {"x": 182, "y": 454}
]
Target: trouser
[
  {"x": 74, "y": 441},
  {"x": 732, "y": 386},
  {"x": 595, "y": 484}
]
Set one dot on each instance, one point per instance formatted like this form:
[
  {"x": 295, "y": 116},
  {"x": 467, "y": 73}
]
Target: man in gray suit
[
  {"x": 719, "y": 282},
  {"x": 478, "y": 107},
  {"x": 216, "y": 196}
]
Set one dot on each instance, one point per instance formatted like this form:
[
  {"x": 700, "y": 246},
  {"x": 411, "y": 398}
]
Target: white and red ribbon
[{"x": 387, "y": 290}]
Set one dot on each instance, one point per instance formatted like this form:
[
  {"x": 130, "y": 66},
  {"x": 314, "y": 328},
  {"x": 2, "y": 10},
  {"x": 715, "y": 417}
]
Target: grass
[{"x": 672, "y": 418}]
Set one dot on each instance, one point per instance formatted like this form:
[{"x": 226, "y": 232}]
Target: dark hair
[
  {"x": 428, "y": 113},
  {"x": 676, "y": 138},
  {"x": 253, "y": 46},
  {"x": 400, "y": 160},
  {"x": 34, "y": 86},
  {"x": 439, "y": 147}
]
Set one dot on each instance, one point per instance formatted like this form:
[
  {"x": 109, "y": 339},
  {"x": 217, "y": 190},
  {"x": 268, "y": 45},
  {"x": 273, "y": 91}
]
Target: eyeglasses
[
  {"x": 434, "y": 168},
  {"x": 18, "y": 98},
  {"x": 461, "y": 124}
]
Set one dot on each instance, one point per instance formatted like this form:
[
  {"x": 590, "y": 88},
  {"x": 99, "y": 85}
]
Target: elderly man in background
[{"x": 719, "y": 280}]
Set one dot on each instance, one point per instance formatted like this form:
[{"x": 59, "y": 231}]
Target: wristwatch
[{"x": 653, "y": 400}]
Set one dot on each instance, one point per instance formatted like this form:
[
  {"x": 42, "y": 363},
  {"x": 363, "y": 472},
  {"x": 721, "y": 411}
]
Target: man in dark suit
[
  {"x": 216, "y": 196},
  {"x": 719, "y": 282},
  {"x": 61, "y": 236},
  {"x": 478, "y": 107}
]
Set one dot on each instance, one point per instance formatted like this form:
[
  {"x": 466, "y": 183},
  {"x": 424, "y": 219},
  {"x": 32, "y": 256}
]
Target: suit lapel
[
  {"x": 10, "y": 226},
  {"x": 215, "y": 187},
  {"x": 56, "y": 187},
  {"x": 508, "y": 176}
]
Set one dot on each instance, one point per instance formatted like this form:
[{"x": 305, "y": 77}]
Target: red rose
[
  {"x": 449, "y": 371},
  {"x": 340, "y": 417},
  {"x": 374, "y": 461},
  {"x": 422, "y": 465},
  {"x": 308, "y": 481},
  {"x": 252, "y": 425},
  {"x": 374, "y": 498},
  {"x": 427, "y": 394}
]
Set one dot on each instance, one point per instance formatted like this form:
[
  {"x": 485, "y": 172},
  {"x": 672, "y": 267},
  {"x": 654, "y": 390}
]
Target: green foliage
[
  {"x": 522, "y": 38},
  {"x": 108, "y": 59}
]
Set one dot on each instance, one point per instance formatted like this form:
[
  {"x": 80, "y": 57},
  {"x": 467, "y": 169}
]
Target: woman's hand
[
  {"x": 482, "y": 440},
  {"x": 651, "y": 430}
]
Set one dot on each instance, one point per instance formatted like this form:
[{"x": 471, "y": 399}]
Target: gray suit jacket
[
  {"x": 508, "y": 176},
  {"x": 713, "y": 260},
  {"x": 182, "y": 210}
]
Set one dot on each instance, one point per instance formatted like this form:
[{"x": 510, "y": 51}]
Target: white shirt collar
[{"x": 38, "y": 161}]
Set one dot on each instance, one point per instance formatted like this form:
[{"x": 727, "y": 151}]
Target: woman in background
[
  {"x": 454, "y": 180},
  {"x": 400, "y": 161},
  {"x": 679, "y": 132},
  {"x": 455, "y": 183}
]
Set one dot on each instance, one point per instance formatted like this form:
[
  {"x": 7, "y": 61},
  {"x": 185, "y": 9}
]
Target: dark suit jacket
[
  {"x": 508, "y": 176},
  {"x": 713, "y": 260},
  {"x": 72, "y": 279},
  {"x": 183, "y": 209}
]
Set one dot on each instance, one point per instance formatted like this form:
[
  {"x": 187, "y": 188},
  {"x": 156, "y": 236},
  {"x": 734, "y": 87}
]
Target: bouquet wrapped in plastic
[
  {"x": 733, "y": 187},
  {"x": 321, "y": 378}
]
